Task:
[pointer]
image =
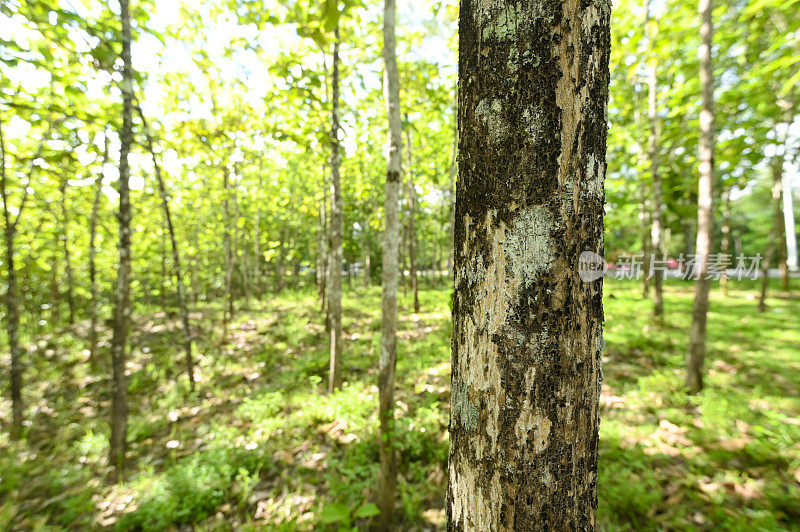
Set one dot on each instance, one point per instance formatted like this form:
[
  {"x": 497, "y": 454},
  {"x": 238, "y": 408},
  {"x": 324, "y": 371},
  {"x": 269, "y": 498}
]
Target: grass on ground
[{"x": 261, "y": 445}]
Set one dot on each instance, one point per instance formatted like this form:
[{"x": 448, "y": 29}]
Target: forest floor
[{"x": 261, "y": 445}]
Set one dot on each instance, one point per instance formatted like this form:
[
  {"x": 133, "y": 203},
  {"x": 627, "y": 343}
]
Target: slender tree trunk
[
  {"x": 65, "y": 246},
  {"x": 772, "y": 253},
  {"x": 176, "y": 258},
  {"x": 697, "y": 342},
  {"x": 162, "y": 282},
  {"x": 367, "y": 259},
  {"x": 94, "y": 305},
  {"x": 227, "y": 313},
  {"x": 12, "y": 303},
  {"x": 119, "y": 408},
  {"x": 784, "y": 268},
  {"x": 528, "y": 332},
  {"x": 322, "y": 246},
  {"x": 789, "y": 229},
  {"x": 55, "y": 292},
  {"x": 657, "y": 219},
  {"x": 259, "y": 270},
  {"x": 645, "y": 225},
  {"x": 687, "y": 238},
  {"x": 725, "y": 245},
  {"x": 280, "y": 266},
  {"x": 195, "y": 269},
  {"x": 387, "y": 481},
  {"x": 412, "y": 222},
  {"x": 335, "y": 295}
]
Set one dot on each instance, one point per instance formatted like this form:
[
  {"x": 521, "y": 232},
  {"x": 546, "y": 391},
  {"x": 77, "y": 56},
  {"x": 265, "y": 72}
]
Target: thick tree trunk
[
  {"x": 122, "y": 312},
  {"x": 725, "y": 244},
  {"x": 176, "y": 258},
  {"x": 412, "y": 222},
  {"x": 94, "y": 304},
  {"x": 695, "y": 358},
  {"x": 772, "y": 253},
  {"x": 335, "y": 295},
  {"x": 528, "y": 332},
  {"x": 391, "y": 235},
  {"x": 65, "y": 247}
]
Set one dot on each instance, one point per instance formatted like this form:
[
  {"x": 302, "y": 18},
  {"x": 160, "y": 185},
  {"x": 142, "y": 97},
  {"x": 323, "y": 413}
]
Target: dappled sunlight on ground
[{"x": 261, "y": 443}]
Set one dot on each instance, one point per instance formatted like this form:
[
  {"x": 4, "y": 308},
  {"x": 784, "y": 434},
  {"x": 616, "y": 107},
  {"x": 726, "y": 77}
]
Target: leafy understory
[{"x": 260, "y": 444}]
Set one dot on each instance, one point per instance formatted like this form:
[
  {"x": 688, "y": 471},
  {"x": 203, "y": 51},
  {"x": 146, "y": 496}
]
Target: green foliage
[{"x": 194, "y": 488}]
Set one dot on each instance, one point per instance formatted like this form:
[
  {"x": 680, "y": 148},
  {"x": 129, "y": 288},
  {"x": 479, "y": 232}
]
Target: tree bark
[
  {"x": 335, "y": 295},
  {"x": 451, "y": 197},
  {"x": 387, "y": 481},
  {"x": 695, "y": 358},
  {"x": 412, "y": 222},
  {"x": 65, "y": 246},
  {"x": 176, "y": 258},
  {"x": 94, "y": 308},
  {"x": 527, "y": 337},
  {"x": 119, "y": 408}
]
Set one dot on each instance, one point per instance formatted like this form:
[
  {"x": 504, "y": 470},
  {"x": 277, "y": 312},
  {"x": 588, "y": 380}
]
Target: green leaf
[
  {"x": 368, "y": 510},
  {"x": 335, "y": 513}
]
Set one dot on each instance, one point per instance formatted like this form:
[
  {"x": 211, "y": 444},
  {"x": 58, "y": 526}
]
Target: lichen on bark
[{"x": 527, "y": 332}]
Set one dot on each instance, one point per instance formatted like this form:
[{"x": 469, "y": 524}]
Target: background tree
[
  {"x": 387, "y": 481},
  {"x": 705, "y": 204}
]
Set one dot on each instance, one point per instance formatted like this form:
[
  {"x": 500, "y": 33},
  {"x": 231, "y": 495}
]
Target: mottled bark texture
[
  {"x": 176, "y": 258},
  {"x": 122, "y": 311},
  {"x": 337, "y": 223},
  {"x": 451, "y": 198},
  {"x": 695, "y": 358},
  {"x": 528, "y": 332},
  {"x": 387, "y": 480}
]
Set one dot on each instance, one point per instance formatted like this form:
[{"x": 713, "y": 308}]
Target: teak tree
[
  {"x": 528, "y": 332},
  {"x": 122, "y": 312},
  {"x": 387, "y": 481},
  {"x": 695, "y": 358}
]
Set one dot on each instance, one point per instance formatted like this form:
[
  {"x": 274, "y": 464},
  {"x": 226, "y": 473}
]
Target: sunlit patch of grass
[{"x": 262, "y": 443}]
